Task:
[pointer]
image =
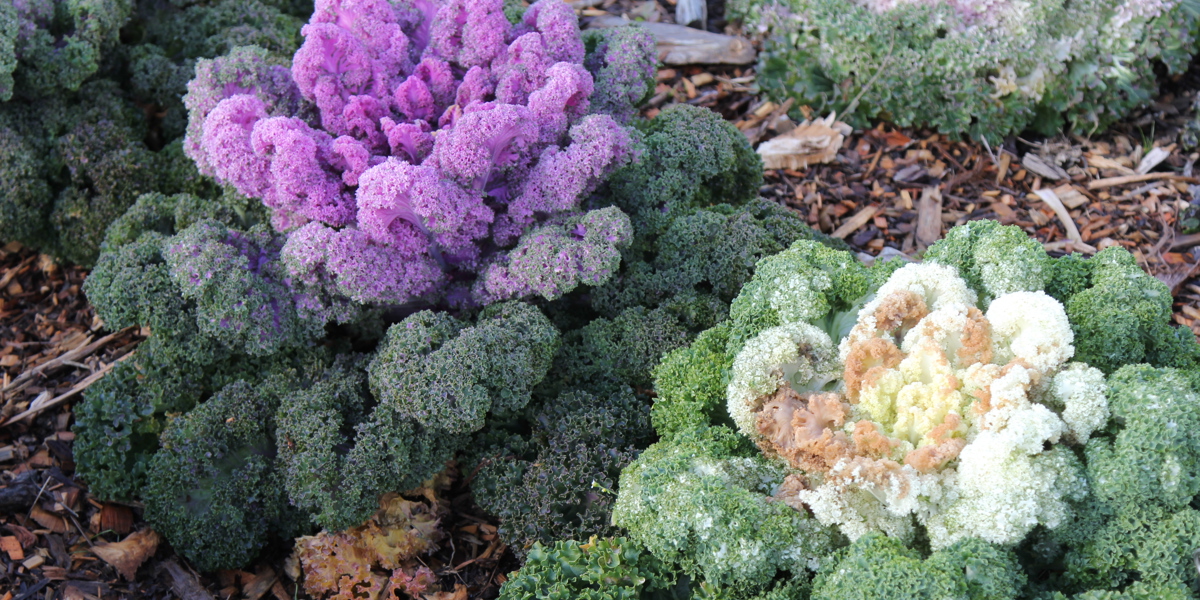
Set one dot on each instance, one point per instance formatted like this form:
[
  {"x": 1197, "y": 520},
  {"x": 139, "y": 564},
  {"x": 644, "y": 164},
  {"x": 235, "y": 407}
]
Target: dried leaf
[
  {"x": 811, "y": 142},
  {"x": 26, "y": 537},
  {"x": 129, "y": 554},
  {"x": 895, "y": 139}
]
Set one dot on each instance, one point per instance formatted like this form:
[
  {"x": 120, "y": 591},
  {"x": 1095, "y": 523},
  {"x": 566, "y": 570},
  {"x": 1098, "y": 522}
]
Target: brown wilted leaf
[
  {"x": 811, "y": 142},
  {"x": 26, "y": 537},
  {"x": 129, "y": 554}
]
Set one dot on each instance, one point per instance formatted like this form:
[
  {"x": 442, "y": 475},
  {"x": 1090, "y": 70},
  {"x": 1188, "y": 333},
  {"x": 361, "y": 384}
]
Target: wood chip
[
  {"x": 1052, "y": 199},
  {"x": 49, "y": 520},
  {"x": 1103, "y": 162},
  {"x": 459, "y": 593},
  {"x": 116, "y": 518},
  {"x": 1002, "y": 168},
  {"x": 11, "y": 546},
  {"x": 256, "y": 586},
  {"x": 1041, "y": 167},
  {"x": 34, "y": 562},
  {"x": 184, "y": 583},
  {"x": 854, "y": 223},
  {"x": 811, "y": 142},
  {"x": 929, "y": 216},
  {"x": 1071, "y": 196},
  {"x": 1152, "y": 159}
]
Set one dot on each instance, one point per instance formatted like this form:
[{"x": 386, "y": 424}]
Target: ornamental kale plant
[
  {"x": 985, "y": 69},
  {"x": 965, "y": 417},
  {"x": 351, "y": 400},
  {"x": 91, "y": 106},
  {"x": 420, "y": 152}
]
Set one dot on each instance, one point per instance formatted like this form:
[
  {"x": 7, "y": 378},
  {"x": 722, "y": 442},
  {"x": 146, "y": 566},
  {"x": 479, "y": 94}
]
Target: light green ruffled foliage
[
  {"x": 876, "y": 566},
  {"x": 993, "y": 259},
  {"x": 699, "y": 501},
  {"x": 987, "y": 70},
  {"x": 1139, "y": 524},
  {"x": 808, "y": 282},
  {"x": 601, "y": 569}
]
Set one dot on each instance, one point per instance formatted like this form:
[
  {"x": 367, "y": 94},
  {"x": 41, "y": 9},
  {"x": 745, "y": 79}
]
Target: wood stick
[
  {"x": 1049, "y": 197},
  {"x": 12, "y": 273},
  {"x": 71, "y": 393},
  {"x": 1124, "y": 179},
  {"x": 86, "y": 350},
  {"x": 854, "y": 223},
  {"x": 1185, "y": 241}
]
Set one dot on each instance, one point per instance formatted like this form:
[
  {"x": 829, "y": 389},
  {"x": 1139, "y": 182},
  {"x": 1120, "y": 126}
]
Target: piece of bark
[
  {"x": 1152, "y": 159},
  {"x": 929, "y": 216},
  {"x": 12, "y": 548},
  {"x": 184, "y": 583},
  {"x": 691, "y": 13},
  {"x": 678, "y": 45},
  {"x": 117, "y": 518},
  {"x": 1041, "y": 166},
  {"x": 18, "y": 495},
  {"x": 811, "y": 142},
  {"x": 1071, "y": 196},
  {"x": 1111, "y": 181},
  {"x": 256, "y": 586}
]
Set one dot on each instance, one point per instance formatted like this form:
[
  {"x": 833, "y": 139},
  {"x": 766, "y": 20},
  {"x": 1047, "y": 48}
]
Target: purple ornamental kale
[
  {"x": 556, "y": 257},
  {"x": 244, "y": 296},
  {"x": 245, "y": 70},
  {"x": 441, "y": 136},
  {"x": 349, "y": 263},
  {"x": 563, "y": 175}
]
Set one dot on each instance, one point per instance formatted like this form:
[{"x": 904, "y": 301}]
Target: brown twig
[
  {"x": 24, "y": 379},
  {"x": 74, "y": 391},
  {"x": 1124, "y": 179}
]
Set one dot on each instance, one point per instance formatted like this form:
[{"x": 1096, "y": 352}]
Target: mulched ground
[{"x": 887, "y": 190}]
